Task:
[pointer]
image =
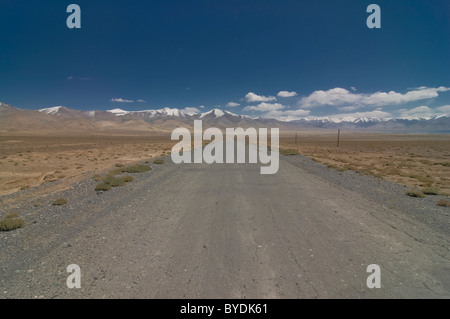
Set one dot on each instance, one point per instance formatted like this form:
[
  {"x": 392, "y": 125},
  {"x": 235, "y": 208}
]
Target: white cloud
[
  {"x": 340, "y": 96},
  {"x": 232, "y": 104},
  {"x": 287, "y": 115},
  {"x": 335, "y": 96},
  {"x": 444, "y": 109},
  {"x": 379, "y": 114},
  {"x": 252, "y": 97},
  {"x": 277, "y": 111},
  {"x": 70, "y": 78},
  {"x": 191, "y": 110},
  {"x": 287, "y": 94},
  {"x": 141, "y": 101},
  {"x": 347, "y": 108},
  {"x": 202, "y": 106},
  {"x": 353, "y": 89},
  {"x": 265, "y": 107},
  {"x": 120, "y": 100},
  {"x": 423, "y": 112},
  {"x": 420, "y": 111}
]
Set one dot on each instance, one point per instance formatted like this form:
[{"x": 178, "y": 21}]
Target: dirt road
[{"x": 225, "y": 231}]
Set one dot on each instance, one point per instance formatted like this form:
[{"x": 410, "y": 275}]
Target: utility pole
[{"x": 339, "y": 137}]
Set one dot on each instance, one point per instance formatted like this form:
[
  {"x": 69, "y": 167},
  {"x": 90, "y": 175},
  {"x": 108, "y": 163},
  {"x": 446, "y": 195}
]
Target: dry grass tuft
[
  {"x": 415, "y": 193},
  {"x": 11, "y": 222},
  {"x": 431, "y": 191},
  {"x": 443, "y": 203},
  {"x": 288, "y": 152},
  {"x": 60, "y": 202},
  {"x": 103, "y": 187},
  {"x": 134, "y": 169}
]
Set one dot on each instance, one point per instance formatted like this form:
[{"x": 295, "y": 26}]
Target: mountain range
[{"x": 65, "y": 120}]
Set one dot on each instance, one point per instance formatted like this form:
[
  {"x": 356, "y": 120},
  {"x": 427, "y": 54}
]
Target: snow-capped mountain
[
  {"x": 118, "y": 112},
  {"x": 166, "y": 119},
  {"x": 168, "y": 112},
  {"x": 151, "y": 113},
  {"x": 51, "y": 110},
  {"x": 216, "y": 112}
]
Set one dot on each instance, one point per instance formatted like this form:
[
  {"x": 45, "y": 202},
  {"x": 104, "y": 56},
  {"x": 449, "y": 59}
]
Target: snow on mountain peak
[
  {"x": 51, "y": 110},
  {"x": 171, "y": 112},
  {"x": 217, "y": 113},
  {"x": 118, "y": 112}
]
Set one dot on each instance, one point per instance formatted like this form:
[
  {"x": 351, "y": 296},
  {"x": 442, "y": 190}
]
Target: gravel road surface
[{"x": 225, "y": 231}]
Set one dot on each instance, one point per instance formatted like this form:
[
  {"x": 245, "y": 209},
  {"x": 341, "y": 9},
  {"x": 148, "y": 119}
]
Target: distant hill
[{"x": 60, "y": 119}]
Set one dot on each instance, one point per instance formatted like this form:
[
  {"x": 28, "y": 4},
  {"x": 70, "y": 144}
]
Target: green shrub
[
  {"x": 288, "y": 152},
  {"x": 103, "y": 187},
  {"x": 11, "y": 222},
  {"x": 137, "y": 169},
  {"x": 60, "y": 202},
  {"x": 158, "y": 161},
  {"x": 128, "y": 179},
  {"x": 114, "y": 181},
  {"x": 117, "y": 171}
]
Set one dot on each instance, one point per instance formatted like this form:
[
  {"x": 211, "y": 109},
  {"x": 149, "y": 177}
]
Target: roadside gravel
[{"x": 391, "y": 195}]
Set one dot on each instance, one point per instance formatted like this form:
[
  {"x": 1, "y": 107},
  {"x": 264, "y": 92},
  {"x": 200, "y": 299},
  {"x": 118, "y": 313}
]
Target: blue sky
[{"x": 139, "y": 55}]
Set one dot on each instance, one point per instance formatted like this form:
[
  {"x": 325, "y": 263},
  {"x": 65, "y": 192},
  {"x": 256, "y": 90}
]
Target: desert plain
[{"x": 419, "y": 161}]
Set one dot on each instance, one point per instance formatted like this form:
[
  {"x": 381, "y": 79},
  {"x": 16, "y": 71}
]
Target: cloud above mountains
[
  {"x": 286, "y": 94},
  {"x": 252, "y": 97},
  {"x": 232, "y": 104},
  {"x": 340, "y": 97},
  {"x": 423, "y": 112},
  {"x": 120, "y": 100},
  {"x": 337, "y": 103},
  {"x": 341, "y": 103}
]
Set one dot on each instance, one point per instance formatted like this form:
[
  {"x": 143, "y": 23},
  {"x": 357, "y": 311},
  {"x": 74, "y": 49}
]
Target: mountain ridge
[{"x": 14, "y": 119}]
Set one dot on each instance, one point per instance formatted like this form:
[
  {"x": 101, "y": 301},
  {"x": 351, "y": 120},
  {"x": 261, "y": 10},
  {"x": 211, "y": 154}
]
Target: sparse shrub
[
  {"x": 443, "y": 203},
  {"x": 128, "y": 179},
  {"x": 60, "y": 202},
  {"x": 288, "y": 152},
  {"x": 114, "y": 181},
  {"x": 137, "y": 169},
  {"x": 97, "y": 178},
  {"x": 158, "y": 161},
  {"x": 415, "y": 193},
  {"x": 11, "y": 222},
  {"x": 431, "y": 191},
  {"x": 120, "y": 165},
  {"x": 117, "y": 171},
  {"x": 103, "y": 187}
]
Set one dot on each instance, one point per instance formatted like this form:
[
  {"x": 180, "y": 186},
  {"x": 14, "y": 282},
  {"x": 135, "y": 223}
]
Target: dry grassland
[
  {"x": 30, "y": 161},
  {"x": 419, "y": 161}
]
